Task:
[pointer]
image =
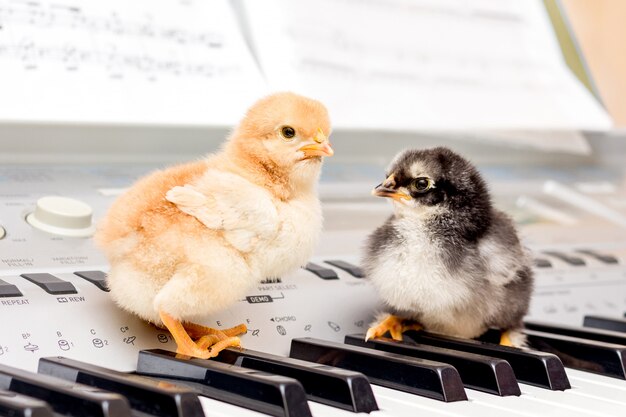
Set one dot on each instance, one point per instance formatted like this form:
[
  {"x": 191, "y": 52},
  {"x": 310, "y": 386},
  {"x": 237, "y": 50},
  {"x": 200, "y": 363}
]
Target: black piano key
[
  {"x": 97, "y": 278},
  {"x": 9, "y": 290},
  {"x": 531, "y": 367},
  {"x": 607, "y": 259},
  {"x": 417, "y": 376},
  {"x": 324, "y": 384},
  {"x": 588, "y": 355},
  {"x": 320, "y": 271},
  {"x": 18, "y": 405},
  {"x": 606, "y": 323},
  {"x": 599, "y": 335},
  {"x": 64, "y": 397},
  {"x": 482, "y": 373},
  {"x": 572, "y": 260},
  {"x": 51, "y": 284},
  {"x": 145, "y": 395},
  {"x": 353, "y": 270},
  {"x": 270, "y": 394}
]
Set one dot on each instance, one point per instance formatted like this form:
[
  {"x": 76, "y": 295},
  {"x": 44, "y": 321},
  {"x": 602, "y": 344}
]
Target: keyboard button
[
  {"x": 606, "y": 323},
  {"x": 65, "y": 398},
  {"x": 320, "y": 271},
  {"x": 144, "y": 394},
  {"x": 9, "y": 290},
  {"x": 325, "y": 384},
  {"x": 51, "y": 284},
  {"x": 417, "y": 376},
  {"x": 531, "y": 367},
  {"x": 607, "y": 259},
  {"x": 17, "y": 405},
  {"x": 353, "y": 270},
  {"x": 98, "y": 278},
  {"x": 270, "y": 394},
  {"x": 483, "y": 373},
  {"x": 590, "y": 333},
  {"x": 542, "y": 263},
  {"x": 589, "y": 355},
  {"x": 572, "y": 260}
]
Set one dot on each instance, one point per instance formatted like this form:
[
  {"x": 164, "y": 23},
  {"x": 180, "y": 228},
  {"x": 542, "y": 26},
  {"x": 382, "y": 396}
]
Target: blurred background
[{"x": 95, "y": 94}]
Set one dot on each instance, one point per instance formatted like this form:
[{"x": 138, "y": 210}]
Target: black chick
[{"x": 447, "y": 261}]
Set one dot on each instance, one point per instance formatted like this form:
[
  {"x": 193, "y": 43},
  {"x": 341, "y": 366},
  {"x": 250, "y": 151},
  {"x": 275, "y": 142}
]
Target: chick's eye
[
  {"x": 288, "y": 132},
  {"x": 422, "y": 184}
]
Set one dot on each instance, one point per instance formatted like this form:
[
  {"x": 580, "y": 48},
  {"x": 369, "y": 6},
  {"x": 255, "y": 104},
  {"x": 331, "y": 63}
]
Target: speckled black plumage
[{"x": 450, "y": 237}]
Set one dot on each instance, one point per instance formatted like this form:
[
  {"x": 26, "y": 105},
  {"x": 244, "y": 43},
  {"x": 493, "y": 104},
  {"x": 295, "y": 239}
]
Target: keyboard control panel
[{"x": 54, "y": 299}]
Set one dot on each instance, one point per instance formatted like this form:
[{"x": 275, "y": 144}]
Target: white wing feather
[{"x": 242, "y": 211}]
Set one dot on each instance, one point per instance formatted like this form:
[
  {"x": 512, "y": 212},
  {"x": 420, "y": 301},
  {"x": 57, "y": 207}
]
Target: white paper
[
  {"x": 423, "y": 64},
  {"x": 124, "y": 61}
]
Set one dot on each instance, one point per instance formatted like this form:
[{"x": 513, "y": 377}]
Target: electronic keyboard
[{"x": 66, "y": 349}]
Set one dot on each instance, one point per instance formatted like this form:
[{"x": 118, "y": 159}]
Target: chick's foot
[
  {"x": 394, "y": 325},
  {"x": 196, "y": 331},
  {"x": 208, "y": 345},
  {"x": 513, "y": 338}
]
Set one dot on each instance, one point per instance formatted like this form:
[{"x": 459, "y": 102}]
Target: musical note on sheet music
[
  {"x": 80, "y": 38},
  {"x": 139, "y": 52},
  {"x": 424, "y": 64}
]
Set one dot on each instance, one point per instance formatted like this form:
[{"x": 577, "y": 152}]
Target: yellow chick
[{"x": 189, "y": 241}]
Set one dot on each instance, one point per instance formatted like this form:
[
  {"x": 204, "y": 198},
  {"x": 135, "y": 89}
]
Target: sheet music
[
  {"x": 120, "y": 61},
  {"x": 423, "y": 64}
]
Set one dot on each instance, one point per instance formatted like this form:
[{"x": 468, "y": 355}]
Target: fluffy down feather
[{"x": 192, "y": 239}]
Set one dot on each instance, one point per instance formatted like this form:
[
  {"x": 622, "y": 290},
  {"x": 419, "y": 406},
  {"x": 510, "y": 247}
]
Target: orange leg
[
  {"x": 207, "y": 347},
  {"x": 394, "y": 325}
]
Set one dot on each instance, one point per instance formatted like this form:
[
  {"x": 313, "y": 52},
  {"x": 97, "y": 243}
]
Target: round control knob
[{"x": 62, "y": 216}]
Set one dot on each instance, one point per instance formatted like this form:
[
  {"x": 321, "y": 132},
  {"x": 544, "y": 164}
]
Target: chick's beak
[
  {"x": 321, "y": 147},
  {"x": 386, "y": 190}
]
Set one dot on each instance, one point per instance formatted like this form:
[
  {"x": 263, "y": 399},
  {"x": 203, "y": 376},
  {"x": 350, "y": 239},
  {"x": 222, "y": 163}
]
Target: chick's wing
[{"x": 228, "y": 203}]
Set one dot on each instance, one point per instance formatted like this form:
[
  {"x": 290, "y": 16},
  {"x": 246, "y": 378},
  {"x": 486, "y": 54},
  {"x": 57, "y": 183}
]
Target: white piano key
[
  {"x": 571, "y": 399},
  {"x": 403, "y": 404},
  {"x": 323, "y": 410},
  {"x": 215, "y": 408},
  {"x": 588, "y": 377},
  {"x": 528, "y": 405}
]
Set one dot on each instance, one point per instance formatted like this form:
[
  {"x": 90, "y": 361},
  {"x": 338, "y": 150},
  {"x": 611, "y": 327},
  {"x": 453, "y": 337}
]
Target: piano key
[
  {"x": 478, "y": 405},
  {"x": 531, "y": 367},
  {"x": 584, "y": 386},
  {"x": 607, "y": 259},
  {"x": 320, "y": 271},
  {"x": 18, "y": 405},
  {"x": 215, "y": 408},
  {"x": 418, "y": 376},
  {"x": 591, "y": 333},
  {"x": 270, "y": 394},
  {"x": 534, "y": 401},
  {"x": 479, "y": 372},
  {"x": 143, "y": 394},
  {"x": 51, "y": 284},
  {"x": 610, "y": 387},
  {"x": 97, "y": 278},
  {"x": 9, "y": 290},
  {"x": 333, "y": 386},
  {"x": 353, "y": 270},
  {"x": 589, "y": 355},
  {"x": 64, "y": 397},
  {"x": 606, "y": 323},
  {"x": 572, "y": 260},
  {"x": 574, "y": 399}
]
